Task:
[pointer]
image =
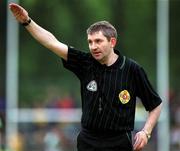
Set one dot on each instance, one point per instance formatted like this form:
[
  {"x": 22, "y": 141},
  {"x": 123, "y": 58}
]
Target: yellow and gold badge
[{"x": 124, "y": 96}]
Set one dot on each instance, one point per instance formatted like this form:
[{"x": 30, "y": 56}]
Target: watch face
[{"x": 148, "y": 135}]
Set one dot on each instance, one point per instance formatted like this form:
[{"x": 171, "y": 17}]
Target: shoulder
[
  {"x": 131, "y": 62},
  {"x": 77, "y": 53}
]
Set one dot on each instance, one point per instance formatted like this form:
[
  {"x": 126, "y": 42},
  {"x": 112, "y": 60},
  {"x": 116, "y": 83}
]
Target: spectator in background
[{"x": 53, "y": 140}]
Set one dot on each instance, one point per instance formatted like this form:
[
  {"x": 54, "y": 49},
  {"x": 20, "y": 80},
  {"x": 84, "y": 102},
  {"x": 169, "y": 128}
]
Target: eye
[
  {"x": 98, "y": 40},
  {"x": 89, "y": 42}
]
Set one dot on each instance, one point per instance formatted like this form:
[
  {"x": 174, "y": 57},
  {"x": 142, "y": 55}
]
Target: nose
[{"x": 93, "y": 46}]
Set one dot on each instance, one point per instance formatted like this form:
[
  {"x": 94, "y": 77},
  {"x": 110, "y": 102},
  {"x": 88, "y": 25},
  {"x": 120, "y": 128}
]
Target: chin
[{"x": 97, "y": 58}]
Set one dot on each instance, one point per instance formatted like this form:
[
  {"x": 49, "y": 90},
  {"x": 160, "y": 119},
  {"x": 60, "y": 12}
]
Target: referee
[{"x": 110, "y": 84}]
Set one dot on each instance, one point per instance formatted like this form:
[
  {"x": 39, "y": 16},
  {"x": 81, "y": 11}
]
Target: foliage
[{"x": 135, "y": 21}]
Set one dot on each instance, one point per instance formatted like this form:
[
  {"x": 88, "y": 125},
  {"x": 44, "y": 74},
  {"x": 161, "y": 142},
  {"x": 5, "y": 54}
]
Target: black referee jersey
[{"x": 109, "y": 93}]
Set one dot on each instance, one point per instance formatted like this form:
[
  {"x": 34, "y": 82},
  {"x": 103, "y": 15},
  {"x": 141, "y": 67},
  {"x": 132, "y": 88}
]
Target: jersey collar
[{"x": 119, "y": 62}]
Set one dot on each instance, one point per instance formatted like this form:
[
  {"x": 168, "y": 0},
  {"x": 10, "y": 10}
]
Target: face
[{"x": 100, "y": 47}]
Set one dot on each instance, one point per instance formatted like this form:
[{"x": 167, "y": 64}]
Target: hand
[
  {"x": 19, "y": 13},
  {"x": 140, "y": 141}
]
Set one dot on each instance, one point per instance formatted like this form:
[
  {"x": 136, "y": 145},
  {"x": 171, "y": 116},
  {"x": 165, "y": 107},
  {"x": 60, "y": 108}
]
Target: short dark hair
[{"x": 105, "y": 27}]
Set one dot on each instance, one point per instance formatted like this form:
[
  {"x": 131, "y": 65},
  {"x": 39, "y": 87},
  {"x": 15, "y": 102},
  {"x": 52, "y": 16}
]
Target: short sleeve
[
  {"x": 145, "y": 91},
  {"x": 76, "y": 61}
]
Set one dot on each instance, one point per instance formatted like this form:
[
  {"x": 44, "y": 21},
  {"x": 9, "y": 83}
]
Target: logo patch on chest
[
  {"x": 92, "y": 86},
  {"x": 124, "y": 96}
]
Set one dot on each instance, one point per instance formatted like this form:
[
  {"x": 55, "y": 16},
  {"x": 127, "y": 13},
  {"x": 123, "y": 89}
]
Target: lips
[{"x": 96, "y": 53}]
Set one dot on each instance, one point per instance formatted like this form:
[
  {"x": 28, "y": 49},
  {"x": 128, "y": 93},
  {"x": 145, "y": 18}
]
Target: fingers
[
  {"x": 140, "y": 141},
  {"x": 19, "y": 12},
  {"x": 137, "y": 142},
  {"x": 139, "y": 146},
  {"x": 15, "y": 8}
]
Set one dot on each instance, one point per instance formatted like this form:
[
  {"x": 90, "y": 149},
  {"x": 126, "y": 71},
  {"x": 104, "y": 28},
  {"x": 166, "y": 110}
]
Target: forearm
[
  {"x": 141, "y": 137},
  {"x": 47, "y": 39},
  {"x": 152, "y": 119},
  {"x": 40, "y": 34}
]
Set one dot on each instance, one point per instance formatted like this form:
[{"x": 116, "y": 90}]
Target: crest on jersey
[
  {"x": 92, "y": 86},
  {"x": 124, "y": 96}
]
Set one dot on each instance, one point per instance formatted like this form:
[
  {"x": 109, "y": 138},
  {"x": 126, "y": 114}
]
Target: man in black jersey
[{"x": 110, "y": 84}]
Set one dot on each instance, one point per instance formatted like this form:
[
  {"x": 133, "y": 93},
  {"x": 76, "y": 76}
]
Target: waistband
[
  {"x": 108, "y": 139},
  {"x": 98, "y": 133}
]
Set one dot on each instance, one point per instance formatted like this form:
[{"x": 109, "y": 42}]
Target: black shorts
[{"x": 124, "y": 144}]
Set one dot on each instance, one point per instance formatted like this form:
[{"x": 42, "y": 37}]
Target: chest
[{"x": 112, "y": 83}]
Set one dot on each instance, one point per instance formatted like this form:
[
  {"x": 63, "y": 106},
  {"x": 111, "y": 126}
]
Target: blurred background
[{"x": 49, "y": 91}]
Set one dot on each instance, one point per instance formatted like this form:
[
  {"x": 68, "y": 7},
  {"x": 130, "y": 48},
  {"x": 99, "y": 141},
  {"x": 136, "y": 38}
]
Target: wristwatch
[
  {"x": 148, "y": 135},
  {"x": 27, "y": 22}
]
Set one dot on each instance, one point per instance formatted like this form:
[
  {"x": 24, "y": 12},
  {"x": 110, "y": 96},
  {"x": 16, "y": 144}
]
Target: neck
[{"x": 111, "y": 59}]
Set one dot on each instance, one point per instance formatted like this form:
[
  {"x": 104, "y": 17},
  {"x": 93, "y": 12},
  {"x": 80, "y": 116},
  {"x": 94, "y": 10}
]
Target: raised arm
[{"x": 43, "y": 36}]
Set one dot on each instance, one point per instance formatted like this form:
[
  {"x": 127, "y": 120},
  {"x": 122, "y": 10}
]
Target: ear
[{"x": 113, "y": 41}]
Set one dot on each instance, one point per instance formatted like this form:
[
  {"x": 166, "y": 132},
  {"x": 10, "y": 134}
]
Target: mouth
[{"x": 96, "y": 54}]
